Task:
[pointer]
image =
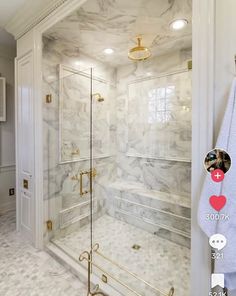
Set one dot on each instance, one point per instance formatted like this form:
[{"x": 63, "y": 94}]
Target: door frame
[{"x": 202, "y": 121}]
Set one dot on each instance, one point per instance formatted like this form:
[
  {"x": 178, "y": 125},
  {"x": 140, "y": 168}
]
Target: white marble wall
[
  {"x": 63, "y": 203},
  {"x": 168, "y": 168},
  {"x": 75, "y": 114},
  {"x": 113, "y": 133},
  {"x": 159, "y": 117}
]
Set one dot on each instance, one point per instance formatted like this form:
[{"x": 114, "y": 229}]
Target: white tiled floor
[
  {"x": 24, "y": 271},
  {"x": 160, "y": 262}
]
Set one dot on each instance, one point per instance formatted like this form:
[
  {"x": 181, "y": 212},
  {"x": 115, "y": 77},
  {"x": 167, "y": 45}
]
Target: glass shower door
[
  {"x": 68, "y": 163},
  {"x": 99, "y": 166}
]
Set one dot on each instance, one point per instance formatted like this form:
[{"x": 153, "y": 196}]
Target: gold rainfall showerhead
[
  {"x": 139, "y": 52},
  {"x": 98, "y": 97}
]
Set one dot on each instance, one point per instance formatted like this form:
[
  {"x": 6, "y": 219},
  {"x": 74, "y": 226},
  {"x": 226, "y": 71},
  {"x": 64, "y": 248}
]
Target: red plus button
[{"x": 217, "y": 175}]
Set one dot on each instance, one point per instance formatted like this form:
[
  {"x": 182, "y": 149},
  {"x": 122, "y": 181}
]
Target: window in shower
[
  {"x": 159, "y": 104},
  {"x": 159, "y": 116}
]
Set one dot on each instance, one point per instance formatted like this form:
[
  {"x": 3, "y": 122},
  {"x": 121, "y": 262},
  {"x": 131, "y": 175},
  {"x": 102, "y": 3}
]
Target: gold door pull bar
[
  {"x": 81, "y": 184},
  {"x": 91, "y": 174}
]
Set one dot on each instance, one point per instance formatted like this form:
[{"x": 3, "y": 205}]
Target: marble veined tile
[
  {"x": 154, "y": 123},
  {"x": 158, "y": 261},
  {"x": 159, "y": 117},
  {"x": 25, "y": 271},
  {"x": 116, "y": 23}
]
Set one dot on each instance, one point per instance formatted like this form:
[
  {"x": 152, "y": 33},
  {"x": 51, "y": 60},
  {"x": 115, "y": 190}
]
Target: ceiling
[
  {"x": 101, "y": 24},
  {"x": 7, "y": 11},
  {"x": 8, "y": 8}
]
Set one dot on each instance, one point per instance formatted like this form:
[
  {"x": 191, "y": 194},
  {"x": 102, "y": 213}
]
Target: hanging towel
[{"x": 226, "y": 141}]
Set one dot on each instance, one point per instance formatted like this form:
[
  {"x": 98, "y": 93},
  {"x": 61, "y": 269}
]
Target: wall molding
[
  {"x": 7, "y": 168},
  {"x": 154, "y": 158},
  {"x": 31, "y": 14}
]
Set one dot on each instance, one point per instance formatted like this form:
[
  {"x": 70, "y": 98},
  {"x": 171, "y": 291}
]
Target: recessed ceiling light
[
  {"x": 178, "y": 24},
  {"x": 108, "y": 51}
]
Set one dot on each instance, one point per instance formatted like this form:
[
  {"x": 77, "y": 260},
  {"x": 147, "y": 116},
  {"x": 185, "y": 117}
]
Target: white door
[{"x": 25, "y": 146}]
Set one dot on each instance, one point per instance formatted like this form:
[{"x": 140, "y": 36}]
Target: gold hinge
[
  {"x": 26, "y": 184},
  {"x": 48, "y": 98},
  {"x": 104, "y": 279},
  {"x": 190, "y": 65},
  {"x": 49, "y": 225}
]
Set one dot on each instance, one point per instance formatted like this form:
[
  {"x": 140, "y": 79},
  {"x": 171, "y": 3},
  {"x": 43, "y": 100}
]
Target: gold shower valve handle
[
  {"x": 75, "y": 178},
  {"x": 75, "y": 152}
]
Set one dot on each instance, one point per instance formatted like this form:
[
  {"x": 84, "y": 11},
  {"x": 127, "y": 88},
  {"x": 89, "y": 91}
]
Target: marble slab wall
[
  {"x": 127, "y": 155},
  {"x": 155, "y": 149},
  {"x": 63, "y": 203},
  {"x": 159, "y": 117},
  {"x": 75, "y": 114}
]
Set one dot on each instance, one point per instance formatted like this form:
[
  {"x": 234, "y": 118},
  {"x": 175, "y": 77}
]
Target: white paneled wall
[
  {"x": 7, "y": 133},
  {"x": 25, "y": 146}
]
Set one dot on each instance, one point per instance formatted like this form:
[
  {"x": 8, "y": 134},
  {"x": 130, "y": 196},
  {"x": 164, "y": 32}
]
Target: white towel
[{"x": 227, "y": 141}]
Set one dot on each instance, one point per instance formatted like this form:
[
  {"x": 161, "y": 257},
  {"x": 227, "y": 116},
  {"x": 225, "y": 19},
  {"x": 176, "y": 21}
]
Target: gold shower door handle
[
  {"x": 91, "y": 174},
  {"x": 81, "y": 184}
]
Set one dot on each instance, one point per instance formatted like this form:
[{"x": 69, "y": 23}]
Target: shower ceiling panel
[{"x": 101, "y": 24}]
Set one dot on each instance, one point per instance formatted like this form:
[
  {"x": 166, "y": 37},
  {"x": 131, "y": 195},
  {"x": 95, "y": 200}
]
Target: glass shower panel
[
  {"x": 67, "y": 154},
  {"x": 78, "y": 158}
]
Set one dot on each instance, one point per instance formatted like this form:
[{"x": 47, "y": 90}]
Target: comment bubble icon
[{"x": 217, "y": 241}]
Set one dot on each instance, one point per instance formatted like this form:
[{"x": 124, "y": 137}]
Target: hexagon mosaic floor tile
[{"x": 25, "y": 271}]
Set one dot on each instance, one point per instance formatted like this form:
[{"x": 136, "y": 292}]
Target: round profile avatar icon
[{"x": 217, "y": 159}]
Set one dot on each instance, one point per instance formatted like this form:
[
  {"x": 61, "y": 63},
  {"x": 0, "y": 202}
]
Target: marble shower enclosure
[{"x": 125, "y": 142}]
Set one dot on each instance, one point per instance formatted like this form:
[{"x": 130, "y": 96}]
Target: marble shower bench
[{"x": 164, "y": 214}]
